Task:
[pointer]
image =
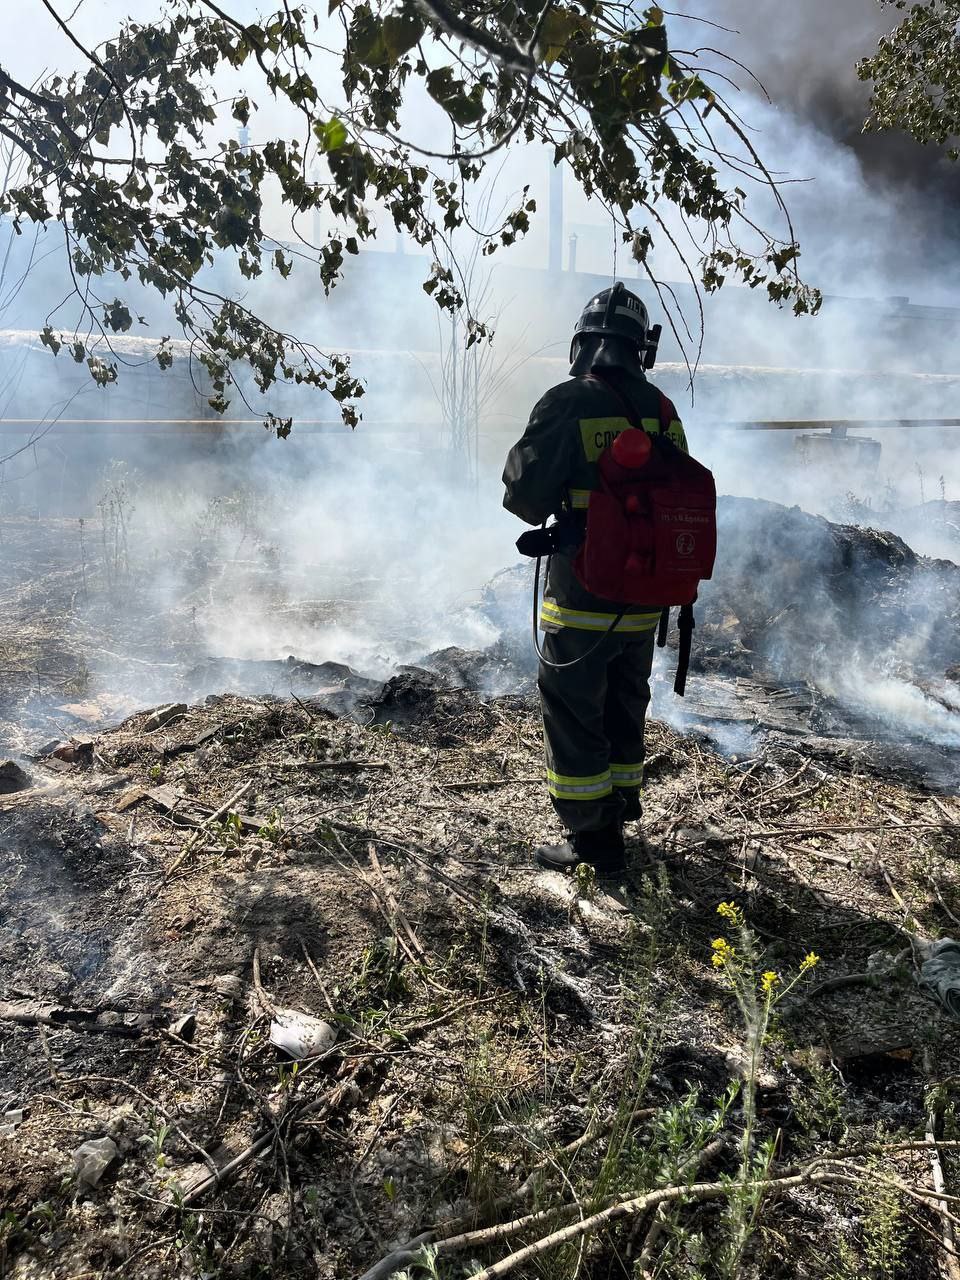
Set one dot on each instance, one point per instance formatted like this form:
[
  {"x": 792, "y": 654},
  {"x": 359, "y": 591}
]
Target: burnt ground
[{"x": 508, "y": 1041}]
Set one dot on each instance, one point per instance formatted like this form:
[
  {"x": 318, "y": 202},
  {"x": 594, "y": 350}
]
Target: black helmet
[{"x": 617, "y": 313}]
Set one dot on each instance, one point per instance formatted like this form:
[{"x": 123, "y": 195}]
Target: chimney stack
[{"x": 556, "y": 220}]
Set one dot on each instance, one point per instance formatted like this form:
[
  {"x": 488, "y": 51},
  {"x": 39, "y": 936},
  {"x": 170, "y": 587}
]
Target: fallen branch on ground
[
  {"x": 399, "y": 915},
  {"x": 318, "y": 766},
  {"x": 947, "y": 1233},
  {"x": 781, "y": 832},
  {"x": 697, "y": 1191},
  {"x": 328, "y": 1102},
  {"x": 206, "y": 824},
  {"x": 452, "y": 1230},
  {"x": 33, "y": 1013},
  {"x": 645, "y": 1262},
  {"x": 482, "y": 783}
]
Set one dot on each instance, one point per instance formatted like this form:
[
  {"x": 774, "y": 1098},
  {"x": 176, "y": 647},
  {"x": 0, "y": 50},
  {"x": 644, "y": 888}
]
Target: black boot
[
  {"x": 632, "y": 808},
  {"x": 603, "y": 849}
]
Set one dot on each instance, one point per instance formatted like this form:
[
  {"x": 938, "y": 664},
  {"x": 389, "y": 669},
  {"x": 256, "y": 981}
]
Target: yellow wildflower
[
  {"x": 730, "y": 911},
  {"x": 768, "y": 981},
  {"x": 723, "y": 953},
  {"x": 809, "y": 961}
]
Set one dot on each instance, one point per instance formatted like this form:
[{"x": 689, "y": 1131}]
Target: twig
[
  {"x": 594, "y": 1132},
  {"x": 697, "y": 1191},
  {"x": 226, "y": 1172},
  {"x": 780, "y": 832},
  {"x": 820, "y": 855},
  {"x": 908, "y": 914},
  {"x": 386, "y": 1267},
  {"x": 305, "y": 709},
  {"x": 951, "y": 817},
  {"x": 206, "y": 823},
  {"x": 936, "y": 889},
  {"x": 269, "y": 1008},
  {"x": 692, "y": 1165},
  {"x": 939, "y": 1183},
  {"x": 482, "y": 783},
  {"x": 45, "y": 1046},
  {"x": 761, "y": 796},
  {"x": 157, "y": 1107},
  {"x": 590, "y": 1135},
  {"x": 374, "y": 892},
  {"x": 318, "y": 766},
  {"x": 393, "y": 904},
  {"x": 316, "y": 973},
  {"x": 452, "y": 1231},
  {"x": 378, "y": 1129}
]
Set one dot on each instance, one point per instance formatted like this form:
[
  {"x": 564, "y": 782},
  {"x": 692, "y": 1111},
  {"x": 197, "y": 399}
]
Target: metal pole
[{"x": 556, "y": 220}]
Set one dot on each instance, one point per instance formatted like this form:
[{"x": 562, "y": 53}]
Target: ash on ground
[{"x": 507, "y": 1041}]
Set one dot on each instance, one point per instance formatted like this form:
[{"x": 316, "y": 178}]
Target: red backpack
[{"x": 651, "y": 524}]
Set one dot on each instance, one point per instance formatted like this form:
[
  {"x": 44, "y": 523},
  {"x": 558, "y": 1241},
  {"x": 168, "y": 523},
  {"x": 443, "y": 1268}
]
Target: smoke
[
  {"x": 932, "y": 717},
  {"x": 805, "y": 56},
  {"x": 374, "y": 548},
  {"x": 355, "y": 551}
]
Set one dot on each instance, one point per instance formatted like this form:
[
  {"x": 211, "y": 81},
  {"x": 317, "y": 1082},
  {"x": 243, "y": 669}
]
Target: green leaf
[
  {"x": 447, "y": 89},
  {"x": 332, "y": 135},
  {"x": 400, "y": 32},
  {"x": 117, "y": 316},
  {"x": 558, "y": 26},
  {"x": 366, "y": 38}
]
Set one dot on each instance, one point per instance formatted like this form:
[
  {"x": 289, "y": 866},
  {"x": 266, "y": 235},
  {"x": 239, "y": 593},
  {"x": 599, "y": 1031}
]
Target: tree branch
[{"x": 510, "y": 56}]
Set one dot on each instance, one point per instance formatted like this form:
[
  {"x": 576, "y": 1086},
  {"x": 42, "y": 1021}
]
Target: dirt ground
[{"x": 515, "y": 1051}]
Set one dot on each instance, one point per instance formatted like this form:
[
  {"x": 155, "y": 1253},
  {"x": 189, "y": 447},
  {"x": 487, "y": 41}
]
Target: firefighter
[{"x": 594, "y": 680}]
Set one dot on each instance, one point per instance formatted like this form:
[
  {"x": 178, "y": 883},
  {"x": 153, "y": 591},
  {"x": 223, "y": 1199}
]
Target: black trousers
[{"x": 593, "y": 721}]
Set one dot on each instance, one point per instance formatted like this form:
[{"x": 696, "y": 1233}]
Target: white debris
[
  {"x": 163, "y": 715},
  {"x": 300, "y": 1035},
  {"x": 91, "y": 1160},
  {"x": 9, "y": 1122},
  {"x": 228, "y": 985}
]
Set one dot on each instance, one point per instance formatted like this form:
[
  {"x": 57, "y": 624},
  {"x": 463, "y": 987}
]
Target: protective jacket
[{"x": 552, "y": 469}]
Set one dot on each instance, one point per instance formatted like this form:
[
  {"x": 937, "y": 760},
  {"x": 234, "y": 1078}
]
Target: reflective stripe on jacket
[{"x": 554, "y": 464}]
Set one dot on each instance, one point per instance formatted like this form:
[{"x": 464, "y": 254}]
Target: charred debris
[{"x": 281, "y": 993}]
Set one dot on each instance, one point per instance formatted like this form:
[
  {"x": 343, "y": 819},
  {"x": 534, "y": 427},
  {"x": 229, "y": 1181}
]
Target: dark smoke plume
[{"x": 806, "y": 56}]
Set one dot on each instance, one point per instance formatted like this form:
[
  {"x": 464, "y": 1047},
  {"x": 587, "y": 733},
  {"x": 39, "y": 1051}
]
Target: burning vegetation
[{"x": 282, "y": 991}]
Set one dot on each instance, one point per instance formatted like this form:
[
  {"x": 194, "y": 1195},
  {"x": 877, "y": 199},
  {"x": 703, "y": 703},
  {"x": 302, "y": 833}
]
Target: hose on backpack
[{"x": 561, "y": 666}]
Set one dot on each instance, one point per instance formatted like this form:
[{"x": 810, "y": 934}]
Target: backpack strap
[
  {"x": 667, "y": 409},
  {"x": 662, "y": 627},
  {"x": 630, "y": 412},
  {"x": 685, "y": 624}
]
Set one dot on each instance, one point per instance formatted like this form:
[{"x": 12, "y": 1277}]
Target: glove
[
  {"x": 563, "y": 537},
  {"x": 536, "y": 543}
]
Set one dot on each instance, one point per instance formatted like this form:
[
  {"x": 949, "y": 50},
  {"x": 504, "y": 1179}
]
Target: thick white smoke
[{"x": 370, "y": 549}]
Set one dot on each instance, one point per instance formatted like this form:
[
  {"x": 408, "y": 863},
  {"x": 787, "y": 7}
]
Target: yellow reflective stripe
[
  {"x": 576, "y": 780},
  {"x": 627, "y": 775},
  {"x": 580, "y": 620},
  {"x": 573, "y": 788},
  {"x": 568, "y": 793},
  {"x": 580, "y": 498},
  {"x": 597, "y": 434}
]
